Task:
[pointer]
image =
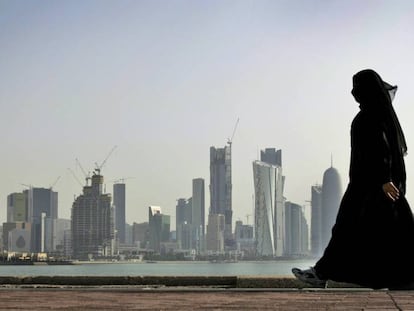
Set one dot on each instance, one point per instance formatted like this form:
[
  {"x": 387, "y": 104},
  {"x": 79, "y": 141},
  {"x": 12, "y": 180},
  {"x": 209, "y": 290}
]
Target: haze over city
[{"x": 165, "y": 80}]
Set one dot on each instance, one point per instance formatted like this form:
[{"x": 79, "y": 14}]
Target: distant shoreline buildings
[{"x": 98, "y": 227}]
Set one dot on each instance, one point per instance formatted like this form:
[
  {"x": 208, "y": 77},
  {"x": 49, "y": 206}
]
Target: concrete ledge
[
  {"x": 269, "y": 282},
  {"x": 226, "y": 281},
  {"x": 166, "y": 281}
]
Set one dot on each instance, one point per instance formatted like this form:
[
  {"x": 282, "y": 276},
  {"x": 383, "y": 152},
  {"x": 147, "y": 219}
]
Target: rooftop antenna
[{"x": 331, "y": 160}]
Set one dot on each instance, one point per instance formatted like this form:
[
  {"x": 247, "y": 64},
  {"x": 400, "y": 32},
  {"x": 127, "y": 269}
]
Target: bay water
[{"x": 172, "y": 268}]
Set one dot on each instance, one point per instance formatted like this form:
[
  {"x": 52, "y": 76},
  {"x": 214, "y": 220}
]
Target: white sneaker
[{"x": 309, "y": 276}]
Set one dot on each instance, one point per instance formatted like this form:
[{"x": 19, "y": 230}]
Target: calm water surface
[{"x": 277, "y": 268}]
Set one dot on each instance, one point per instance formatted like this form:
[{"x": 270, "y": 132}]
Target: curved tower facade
[
  {"x": 269, "y": 209},
  {"x": 331, "y": 198}
]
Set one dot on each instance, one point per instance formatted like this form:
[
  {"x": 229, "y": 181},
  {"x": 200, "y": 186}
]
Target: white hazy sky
[{"x": 165, "y": 80}]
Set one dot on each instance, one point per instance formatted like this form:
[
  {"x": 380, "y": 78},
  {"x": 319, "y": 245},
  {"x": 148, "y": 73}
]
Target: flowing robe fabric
[{"x": 372, "y": 241}]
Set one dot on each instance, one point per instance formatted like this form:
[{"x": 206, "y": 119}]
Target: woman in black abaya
[{"x": 372, "y": 241}]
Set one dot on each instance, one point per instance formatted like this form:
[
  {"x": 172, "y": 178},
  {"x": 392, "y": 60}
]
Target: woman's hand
[{"x": 391, "y": 191}]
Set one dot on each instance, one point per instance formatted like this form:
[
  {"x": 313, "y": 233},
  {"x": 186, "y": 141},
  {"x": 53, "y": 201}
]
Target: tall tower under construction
[
  {"x": 92, "y": 221},
  {"x": 220, "y": 188}
]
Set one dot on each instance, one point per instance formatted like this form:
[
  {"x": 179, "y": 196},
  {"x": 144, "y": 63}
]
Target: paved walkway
[{"x": 131, "y": 298}]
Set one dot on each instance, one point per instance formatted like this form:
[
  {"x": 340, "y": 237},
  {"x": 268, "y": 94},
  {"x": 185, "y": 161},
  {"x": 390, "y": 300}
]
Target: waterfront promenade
[
  {"x": 203, "y": 299},
  {"x": 191, "y": 293}
]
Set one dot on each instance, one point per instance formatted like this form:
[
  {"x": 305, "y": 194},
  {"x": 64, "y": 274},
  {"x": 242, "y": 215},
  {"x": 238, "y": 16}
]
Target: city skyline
[{"x": 165, "y": 81}]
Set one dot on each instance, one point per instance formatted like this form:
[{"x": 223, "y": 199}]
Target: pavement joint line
[{"x": 393, "y": 300}]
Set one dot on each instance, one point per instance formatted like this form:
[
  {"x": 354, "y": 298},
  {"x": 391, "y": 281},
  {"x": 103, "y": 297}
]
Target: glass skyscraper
[
  {"x": 119, "y": 203},
  {"x": 316, "y": 220},
  {"x": 269, "y": 208},
  {"x": 159, "y": 228},
  {"x": 331, "y": 199},
  {"x": 221, "y": 188},
  {"x": 297, "y": 231},
  {"x": 42, "y": 201},
  {"x": 198, "y": 214}
]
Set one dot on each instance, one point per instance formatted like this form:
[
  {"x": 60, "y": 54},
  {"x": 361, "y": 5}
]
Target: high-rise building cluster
[
  {"x": 33, "y": 224},
  {"x": 281, "y": 227},
  {"x": 97, "y": 229}
]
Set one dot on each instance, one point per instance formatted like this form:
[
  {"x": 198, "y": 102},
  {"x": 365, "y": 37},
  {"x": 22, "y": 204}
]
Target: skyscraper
[
  {"x": 215, "y": 233},
  {"x": 271, "y": 156},
  {"x": 16, "y": 236},
  {"x": 331, "y": 198},
  {"x": 42, "y": 201},
  {"x": 140, "y": 234},
  {"x": 183, "y": 219},
  {"x": 60, "y": 226},
  {"x": 159, "y": 228},
  {"x": 297, "y": 231},
  {"x": 269, "y": 209},
  {"x": 92, "y": 221},
  {"x": 119, "y": 203},
  {"x": 198, "y": 214},
  {"x": 221, "y": 188},
  {"x": 316, "y": 220},
  {"x": 17, "y": 207}
]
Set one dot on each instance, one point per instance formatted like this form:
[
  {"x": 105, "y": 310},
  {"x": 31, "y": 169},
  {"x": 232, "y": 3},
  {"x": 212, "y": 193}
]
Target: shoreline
[{"x": 79, "y": 262}]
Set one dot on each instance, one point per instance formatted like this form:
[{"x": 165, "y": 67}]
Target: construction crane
[
  {"x": 74, "y": 176},
  {"x": 230, "y": 140},
  {"x": 87, "y": 176},
  {"x": 99, "y": 167},
  {"x": 54, "y": 183}
]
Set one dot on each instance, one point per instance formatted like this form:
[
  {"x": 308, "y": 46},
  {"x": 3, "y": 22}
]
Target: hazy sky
[{"x": 165, "y": 80}]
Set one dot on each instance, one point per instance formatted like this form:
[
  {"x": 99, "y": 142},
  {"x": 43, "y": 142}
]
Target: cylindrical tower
[{"x": 331, "y": 198}]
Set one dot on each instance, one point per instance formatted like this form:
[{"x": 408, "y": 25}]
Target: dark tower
[
  {"x": 119, "y": 202},
  {"x": 271, "y": 156},
  {"x": 221, "y": 187},
  {"x": 316, "y": 220}
]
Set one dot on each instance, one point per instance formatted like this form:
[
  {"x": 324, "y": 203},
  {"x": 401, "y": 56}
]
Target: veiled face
[{"x": 370, "y": 90}]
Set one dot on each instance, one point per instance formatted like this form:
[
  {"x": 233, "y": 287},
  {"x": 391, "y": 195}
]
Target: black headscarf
[{"x": 375, "y": 97}]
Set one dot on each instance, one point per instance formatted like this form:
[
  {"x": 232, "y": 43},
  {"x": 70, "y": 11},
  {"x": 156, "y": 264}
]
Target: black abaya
[{"x": 372, "y": 241}]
